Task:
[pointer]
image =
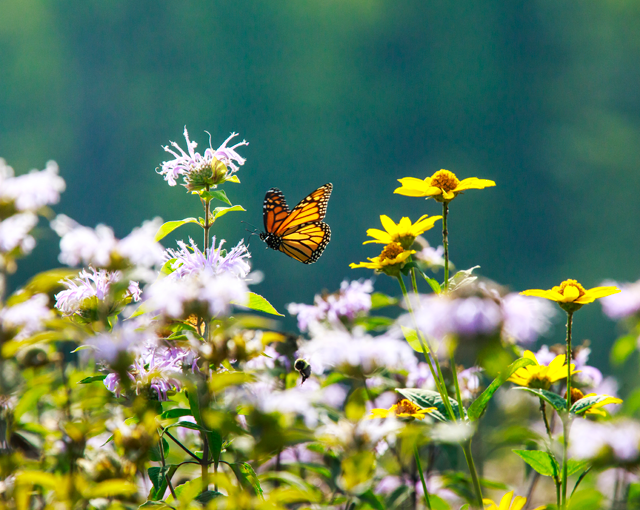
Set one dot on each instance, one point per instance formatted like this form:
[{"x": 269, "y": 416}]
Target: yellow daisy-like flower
[
  {"x": 390, "y": 261},
  {"x": 403, "y": 409},
  {"x": 577, "y": 395},
  {"x": 506, "y": 503},
  {"x": 443, "y": 186},
  {"x": 570, "y": 295},
  {"x": 404, "y": 232},
  {"x": 541, "y": 376}
]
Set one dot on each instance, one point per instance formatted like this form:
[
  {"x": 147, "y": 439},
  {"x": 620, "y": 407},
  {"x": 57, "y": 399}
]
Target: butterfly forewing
[
  {"x": 274, "y": 210},
  {"x": 301, "y": 233},
  {"x": 311, "y": 208}
]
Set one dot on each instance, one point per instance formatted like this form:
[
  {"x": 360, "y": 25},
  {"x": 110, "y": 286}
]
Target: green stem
[
  {"x": 456, "y": 384},
  {"x": 426, "y": 348},
  {"x": 466, "y": 448},
  {"x": 445, "y": 243},
  {"x": 414, "y": 284},
  {"x": 567, "y": 419},
  {"x": 424, "y": 482}
]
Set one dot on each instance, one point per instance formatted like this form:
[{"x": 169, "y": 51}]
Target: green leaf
[
  {"x": 187, "y": 425},
  {"x": 82, "y": 348},
  {"x": 175, "y": 413},
  {"x": 380, "y": 300},
  {"x": 586, "y": 403},
  {"x": 435, "y": 286},
  {"x": 247, "y": 476},
  {"x": 558, "y": 402},
  {"x": 622, "y": 348},
  {"x": 213, "y": 437},
  {"x": 374, "y": 322},
  {"x": 214, "y": 195},
  {"x": 233, "y": 178},
  {"x": 92, "y": 378},
  {"x": 411, "y": 336},
  {"x": 480, "y": 404},
  {"x": 218, "y": 212},
  {"x": 170, "y": 226},
  {"x": 154, "y": 452},
  {"x": 462, "y": 279},
  {"x": 541, "y": 462},
  {"x": 207, "y": 496},
  {"x": 372, "y": 500},
  {"x": 155, "y": 504},
  {"x": 588, "y": 499},
  {"x": 260, "y": 304},
  {"x": 573, "y": 466},
  {"x": 428, "y": 398},
  {"x": 158, "y": 477}
]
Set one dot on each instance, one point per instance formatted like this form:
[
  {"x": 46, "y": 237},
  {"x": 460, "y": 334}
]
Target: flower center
[
  {"x": 569, "y": 288},
  {"x": 539, "y": 381},
  {"x": 391, "y": 251},
  {"x": 444, "y": 179},
  {"x": 576, "y": 395},
  {"x": 406, "y": 407}
]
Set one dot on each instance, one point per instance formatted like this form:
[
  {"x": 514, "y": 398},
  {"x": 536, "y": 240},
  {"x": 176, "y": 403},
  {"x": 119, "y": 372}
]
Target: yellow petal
[
  {"x": 505, "y": 502},
  {"x": 413, "y": 182},
  {"x": 547, "y": 294},
  {"x": 474, "y": 183},
  {"x": 380, "y": 235},
  {"x": 447, "y": 195},
  {"x": 490, "y": 504},
  {"x": 403, "y": 225},
  {"x": 411, "y": 187},
  {"x": 530, "y": 355},
  {"x": 557, "y": 362},
  {"x": 570, "y": 294},
  {"x": 387, "y": 223},
  {"x": 596, "y": 293},
  {"x": 518, "y": 503},
  {"x": 410, "y": 192}
]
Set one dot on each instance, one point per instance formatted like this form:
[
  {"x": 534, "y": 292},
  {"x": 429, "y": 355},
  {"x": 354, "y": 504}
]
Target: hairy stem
[
  {"x": 445, "y": 243},
  {"x": 567, "y": 420}
]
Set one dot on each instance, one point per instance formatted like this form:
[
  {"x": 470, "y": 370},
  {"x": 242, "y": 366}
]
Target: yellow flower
[
  {"x": 403, "y": 409},
  {"x": 570, "y": 295},
  {"x": 404, "y": 232},
  {"x": 506, "y": 504},
  {"x": 576, "y": 395},
  {"x": 443, "y": 186},
  {"x": 390, "y": 261},
  {"x": 541, "y": 376}
]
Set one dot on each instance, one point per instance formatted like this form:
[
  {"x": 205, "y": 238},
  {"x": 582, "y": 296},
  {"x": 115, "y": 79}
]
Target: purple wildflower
[
  {"x": 623, "y": 304},
  {"x": 31, "y": 191},
  {"x": 14, "y": 233},
  {"x": 189, "y": 260},
  {"x": 192, "y": 161},
  {"x": 27, "y": 317},
  {"x": 526, "y": 318}
]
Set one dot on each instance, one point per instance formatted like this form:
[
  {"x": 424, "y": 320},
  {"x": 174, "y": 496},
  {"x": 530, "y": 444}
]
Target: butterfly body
[{"x": 299, "y": 233}]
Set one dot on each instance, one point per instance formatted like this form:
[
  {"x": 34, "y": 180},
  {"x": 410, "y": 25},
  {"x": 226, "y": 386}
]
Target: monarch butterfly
[{"x": 299, "y": 233}]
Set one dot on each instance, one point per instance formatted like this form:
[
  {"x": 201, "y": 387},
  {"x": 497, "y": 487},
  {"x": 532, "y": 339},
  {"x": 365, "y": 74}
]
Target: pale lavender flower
[
  {"x": 31, "y": 191},
  {"x": 99, "y": 246},
  {"x": 624, "y": 303},
  {"x": 192, "y": 161},
  {"x": 14, "y": 233},
  {"x": 174, "y": 297},
  {"x": 469, "y": 382},
  {"x": 353, "y": 299},
  {"x": 296, "y": 401},
  {"x": 610, "y": 480},
  {"x": 123, "y": 339},
  {"x": 89, "y": 284},
  {"x": 589, "y": 439},
  {"x": 27, "y": 317},
  {"x": 434, "y": 316},
  {"x": 432, "y": 257},
  {"x": 476, "y": 316},
  {"x": 435, "y": 486},
  {"x": 545, "y": 356},
  {"x": 421, "y": 377},
  {"x": 589, "y": 376},
  {"x": 333, "y": 348},
  {"x": 526, "y": 318},
  {"x": 191, "y": 261},
  {"x": 265, "y": 361}
]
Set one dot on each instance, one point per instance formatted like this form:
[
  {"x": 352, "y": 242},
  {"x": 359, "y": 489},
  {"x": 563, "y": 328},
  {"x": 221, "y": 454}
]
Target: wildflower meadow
[{"x": 139, "y": 375}]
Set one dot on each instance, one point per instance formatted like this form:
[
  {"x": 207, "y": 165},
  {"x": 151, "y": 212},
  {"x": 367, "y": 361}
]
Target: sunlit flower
[
  {"x": 390, "y": 261},
  {"x": 88, "y": 285},
  {"x": 508, "y": 502},
  {"x": 444, "y": 186},
  {"x": 31, "y": 191},
  {"x": 27, "y": 317},
  {"x": 14, "y": 233},
  {"x": 570, "y": 295},
  {"x": 590, "y": 439},
  {"x": 404, "y": 232},
  {"x": 199, "y": 170},
  {"x": 403, "y": 409},
  {"x": 189, "y": 260},
  {"x": 525, "y": 318},
  {"x": 432, "y": 257},
  {"x": 353, "y": 299},
  {"x": 541, "y": 376},
  {"x": 624, "y": 304},
  {"x": 99, "y": 247}
]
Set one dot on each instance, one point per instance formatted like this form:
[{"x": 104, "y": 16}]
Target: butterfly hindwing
[{"x": 299, "y": 233}]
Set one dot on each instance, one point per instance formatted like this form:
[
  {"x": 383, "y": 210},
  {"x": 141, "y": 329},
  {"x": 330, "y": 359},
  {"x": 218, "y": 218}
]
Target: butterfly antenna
[{"x": 253, "y": 232}]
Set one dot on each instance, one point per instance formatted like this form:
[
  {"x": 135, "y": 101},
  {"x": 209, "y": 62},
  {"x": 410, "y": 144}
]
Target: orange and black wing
[
  {"x": 306, "y": 242},
  {"x": 274, "y": 210},
  {"x": 312, "y": 208}
]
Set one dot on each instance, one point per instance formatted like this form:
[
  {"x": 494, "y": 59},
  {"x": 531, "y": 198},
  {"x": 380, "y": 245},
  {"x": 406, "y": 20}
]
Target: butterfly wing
[
  {"x": 306, "y": 242},
  {"x": 274, "y": 210},
  {"x": 312, "y": 208}
]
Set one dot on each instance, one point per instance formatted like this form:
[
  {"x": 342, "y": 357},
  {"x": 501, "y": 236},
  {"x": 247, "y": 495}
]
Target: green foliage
[{"x": 428, "y": 398}]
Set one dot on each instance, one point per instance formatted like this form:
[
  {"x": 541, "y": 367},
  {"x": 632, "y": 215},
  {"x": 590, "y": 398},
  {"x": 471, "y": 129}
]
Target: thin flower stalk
[
  {"x": 424, "y": 482},
  {"x": 445, "y": 243},
  {"x": 566, "y": 422}
]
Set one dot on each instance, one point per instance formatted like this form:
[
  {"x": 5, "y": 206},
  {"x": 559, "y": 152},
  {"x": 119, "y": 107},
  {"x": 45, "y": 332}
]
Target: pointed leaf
[
  {"x": 586, "y": 403},
  {"x": 93, "y": 378},
  {"x": 170, "y": 226},
  {"x": 215, "y": 195},
  {"x": 221, "y": 211},
  {"x": 260, "y": 304},
  {"x": 573, "y": 466},
  {"x": 541, "y": 462},
  {"x": 175, "y": 413},
  {"x": 411, "y": 336},
  {"x": 480, "y": 404},
  {"x": 462, "y": 278},
  {"x": 380, "y": 300},
  {"x": 233, "y": 178}
]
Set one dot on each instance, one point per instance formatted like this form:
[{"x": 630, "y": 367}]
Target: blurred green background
[{"x": 540, "y": 96}]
